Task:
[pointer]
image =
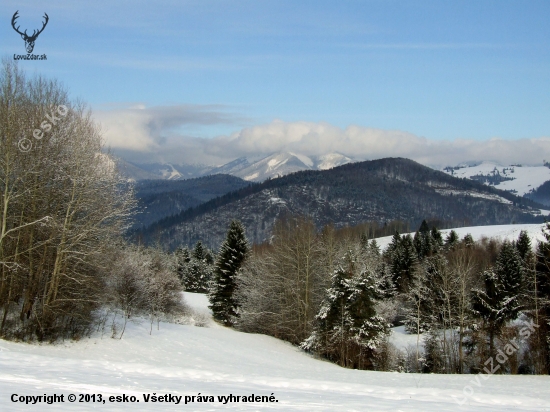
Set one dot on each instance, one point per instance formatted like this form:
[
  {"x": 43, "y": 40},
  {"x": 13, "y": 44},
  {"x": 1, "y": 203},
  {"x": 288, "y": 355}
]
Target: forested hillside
[
  {"x": 158, "y": 199},
  {"x": 380, "y": 191}
]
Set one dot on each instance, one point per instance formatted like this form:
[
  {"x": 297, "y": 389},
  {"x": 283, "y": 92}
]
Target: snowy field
[
  {"x": 502, "y": 232},
  {"x": 212, "y": 361},
  {"x": 525, "y": 178}
]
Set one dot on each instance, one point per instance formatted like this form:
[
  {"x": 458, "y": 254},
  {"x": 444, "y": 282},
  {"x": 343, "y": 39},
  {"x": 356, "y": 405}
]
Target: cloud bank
[{"x": 154, "y": 134}]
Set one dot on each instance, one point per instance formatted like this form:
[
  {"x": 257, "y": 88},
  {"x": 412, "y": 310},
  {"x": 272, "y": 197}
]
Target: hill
[
  {"x": 379, "y": 190},
  {"x": 158, "y": 199}
]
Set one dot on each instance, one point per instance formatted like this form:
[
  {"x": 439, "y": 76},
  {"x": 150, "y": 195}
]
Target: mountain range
[
  {"x": 276, "y": 165},
  {"x": 518, "y": 179},
  {"x": 380, "y": 191}
]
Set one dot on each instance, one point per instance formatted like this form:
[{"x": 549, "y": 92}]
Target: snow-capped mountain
[
  {"x": 283, "y": 163},
  {"x": 518, "y": 179},
  {"x": 231, "y": 168},
  {"x": 330, "y": 160},
  {"x": 274, "y": 165}
]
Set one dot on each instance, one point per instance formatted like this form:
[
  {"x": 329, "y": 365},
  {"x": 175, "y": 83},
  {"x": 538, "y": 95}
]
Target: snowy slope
[
  {"x": 278, "y": 164},
  {"x": 283, "y": 163},
  {"x": 502, "y": 232},
  {"x": 525, "y": 178},
  {"x": 188, "y": 360},
  {"x": 331, "y": 160}
]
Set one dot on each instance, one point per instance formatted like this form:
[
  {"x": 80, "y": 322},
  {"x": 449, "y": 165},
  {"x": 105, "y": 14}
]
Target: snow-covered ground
[
  {"x": 184, "y": 360},
  {"x": 525, "y": 178},
  {"x": 502, "y": 232}
]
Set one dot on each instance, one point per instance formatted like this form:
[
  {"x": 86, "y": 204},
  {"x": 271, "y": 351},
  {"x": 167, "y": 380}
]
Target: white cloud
[
  {"x": 154, "y": 134},
  {"x": 369, "y": 143},
  {"x": 148, "y": 129}
]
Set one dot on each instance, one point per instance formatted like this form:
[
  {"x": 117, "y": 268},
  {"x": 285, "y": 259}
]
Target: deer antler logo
[{"x": 29, "y": 40}]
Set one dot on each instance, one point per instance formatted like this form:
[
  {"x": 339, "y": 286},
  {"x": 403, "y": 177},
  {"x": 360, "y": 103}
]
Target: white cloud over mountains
[{"x": 159, "y": 133}]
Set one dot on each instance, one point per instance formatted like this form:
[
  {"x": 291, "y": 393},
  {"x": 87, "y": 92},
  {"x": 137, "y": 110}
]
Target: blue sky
[{"x": 437, "y": 71}]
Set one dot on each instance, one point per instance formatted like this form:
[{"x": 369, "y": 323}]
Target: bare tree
[{"x": 63, "y": 205}]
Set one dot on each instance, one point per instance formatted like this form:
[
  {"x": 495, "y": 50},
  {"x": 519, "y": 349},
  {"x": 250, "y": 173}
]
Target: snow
[
  {"x": 472, "y": 193},
  {"x": 273, "y": 162},
  {"x": 185, "y": 360},
  {"x": 277, "y": 200},
  {"x": 526, "y": 178},
  {"x": 171, "y": 173},
  {"x": 403, "y": 340},
  {"x": 501, "y": 232},
  {"x": 331, "y": 160},
  {"x": 304, "y": 159},
  {"x": 251, "y": 177}
]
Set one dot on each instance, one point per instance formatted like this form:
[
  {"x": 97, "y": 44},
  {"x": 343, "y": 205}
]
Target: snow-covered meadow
[
  {"x": 186, "y": 360},
  {"x": 524, "y": 179},
  {"x": 501, "y": 232}
]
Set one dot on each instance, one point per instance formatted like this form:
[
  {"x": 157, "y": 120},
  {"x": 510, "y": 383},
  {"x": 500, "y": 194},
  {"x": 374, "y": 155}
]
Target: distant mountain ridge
[
  {"x": 275, "y": 165},
  {"x": 521, "y": 180},
  {"x": 158, "y": 199},
  {"x": 381, "y": 190}
]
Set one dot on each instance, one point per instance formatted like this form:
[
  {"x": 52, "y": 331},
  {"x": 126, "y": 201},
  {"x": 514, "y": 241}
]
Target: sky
[{"x": 207, "y": 81}]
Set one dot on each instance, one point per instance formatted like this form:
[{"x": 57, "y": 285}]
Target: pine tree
[
  {"x": 427, "y": 242},
  {"x": 182, "y": 261},
  {"x": 348, "y": 329},
  {"x": 437, "y": 239},
  {"x": 403, "y": 264},
  {"x": 199, "y": 271},
  {"x": 523, "y": 245},
  {"x": 499, "y": 301},
  {"x": 510, "y": 270},
  {"x": 486, "y": 305},
  {"x": 199, "y": 251},
  {"x": 451, "y": 240},
  {"x": 374, "y": 248},
  {"x": 468, "y": 240},
  {"x": 232, "y": 254},
  {"x": 364, "y": 241},
  {"x": 424, "y": 228}
]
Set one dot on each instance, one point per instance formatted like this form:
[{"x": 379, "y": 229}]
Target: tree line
[{"x": 335, "y": 294}]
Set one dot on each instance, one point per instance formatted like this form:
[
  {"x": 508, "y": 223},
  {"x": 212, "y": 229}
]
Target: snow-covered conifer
[
  {"x": 232, "y": 254},
  {"x": 348, "y": 331}
]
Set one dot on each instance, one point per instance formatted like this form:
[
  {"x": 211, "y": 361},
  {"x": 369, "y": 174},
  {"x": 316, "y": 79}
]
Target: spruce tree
[
  {"x": 437, "y": 239},
  {"x": 499, "y": 301},
  {"x": 487, "y": 304},
  {"x": 348, "y": 329},
  {"x": 199, "y": 271},
  {"x": 523, "y": 245},
  {"x": 404, "y": 265},
  {"x": 510, "y": 270},
  {"x": 468, "y": 240},
  {"x": 230, "y": 259},
  {"x": 451, "y": 240},
  {"x": 199, "y": 251},
  {"x": 182, "y": 261},
  {"x": 374, "y": 248}
]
